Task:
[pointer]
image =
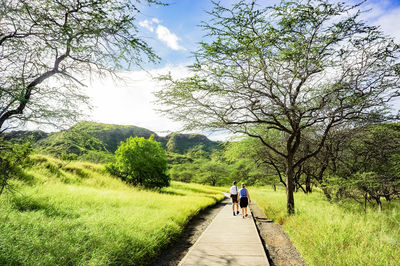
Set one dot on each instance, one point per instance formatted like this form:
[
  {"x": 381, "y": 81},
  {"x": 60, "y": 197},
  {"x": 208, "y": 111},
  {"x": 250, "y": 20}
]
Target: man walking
[{"x": 234, "y": 196}]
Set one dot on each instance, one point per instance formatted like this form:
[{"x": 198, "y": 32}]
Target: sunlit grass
[
  {"x": 330, "y": 234},
  {"x": 75, "y": 213}
]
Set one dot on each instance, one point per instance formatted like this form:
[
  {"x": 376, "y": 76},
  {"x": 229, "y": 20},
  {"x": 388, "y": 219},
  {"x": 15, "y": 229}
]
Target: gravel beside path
[{"x": 280, "y": 249}]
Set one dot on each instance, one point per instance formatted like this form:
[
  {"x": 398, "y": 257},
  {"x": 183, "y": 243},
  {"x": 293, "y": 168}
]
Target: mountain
[
  {"x": 182, "y": 143},
  {"x": 91, "y": 136},
  {"x": 34, "y": 135}
]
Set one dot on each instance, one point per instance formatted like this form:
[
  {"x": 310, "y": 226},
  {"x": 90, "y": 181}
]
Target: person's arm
[{"x": 248, "y": 196}]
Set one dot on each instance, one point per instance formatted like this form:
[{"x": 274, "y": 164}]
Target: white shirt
[{"x": 233, "y": 190}]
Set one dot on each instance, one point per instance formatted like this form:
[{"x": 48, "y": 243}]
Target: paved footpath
[{"x": 228, "y": 240}]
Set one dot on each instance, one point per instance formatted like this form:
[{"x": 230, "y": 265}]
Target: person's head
[
  {"x": 234, "y": 183},
  {"x": 243, "y": 185}
]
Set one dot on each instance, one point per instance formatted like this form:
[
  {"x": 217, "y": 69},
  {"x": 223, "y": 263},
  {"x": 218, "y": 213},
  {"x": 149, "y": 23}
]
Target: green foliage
[
  {"x": 212, "y": 173},
  {"x": 97, "y": 157},
  {"x": 332, "y": 234},
  {"x": 368, "y": 167},
  {"x": 141, "y": 161},
  {"x": 251, "y": 162},
  {"x": 13, "y": 157},
  {"x": 84, "y": 216},
  {"x": 191, "y": 144},
  {"x": 75, "y": 28},
  {"x": 176, "y": 158}
]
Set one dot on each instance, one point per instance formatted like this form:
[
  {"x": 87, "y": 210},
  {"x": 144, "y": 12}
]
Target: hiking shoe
[
  {"x": 246, "y": 214},
  {"x": 237, "y": 212},
  {"x": 234, "y": 214}
]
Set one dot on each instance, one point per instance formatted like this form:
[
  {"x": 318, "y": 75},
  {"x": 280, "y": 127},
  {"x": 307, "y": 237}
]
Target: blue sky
[{"x": 182, "y": 17}]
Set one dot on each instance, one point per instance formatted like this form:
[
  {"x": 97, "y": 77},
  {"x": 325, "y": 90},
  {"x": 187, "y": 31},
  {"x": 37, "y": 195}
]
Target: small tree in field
[{"x": 141, "y": 161}]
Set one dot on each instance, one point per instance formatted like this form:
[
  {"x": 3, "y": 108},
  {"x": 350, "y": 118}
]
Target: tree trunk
[
  {"x": 388, "y": 198},
  {"x": 326, "y": 193},
  {"x": 274, "y": 187},
  {"x": 308, "y": 184},
  {"x": 365, "y": 202},
  {"x": 290, "y": 188},
  {"x": 378, "y": 201}
]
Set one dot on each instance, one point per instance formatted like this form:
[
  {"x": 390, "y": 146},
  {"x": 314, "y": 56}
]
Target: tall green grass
[
  {"x": 76, "y": 214},
  {"x": 331, "y": 234}
]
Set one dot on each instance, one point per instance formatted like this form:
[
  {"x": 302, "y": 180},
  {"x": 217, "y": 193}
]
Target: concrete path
[{"x": 228, "y": 240}]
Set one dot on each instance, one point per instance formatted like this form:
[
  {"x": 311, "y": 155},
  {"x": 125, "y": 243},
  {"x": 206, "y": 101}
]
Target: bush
[
  {"x": 13, "y": 157},
  {"x": 141, "y": 161}
]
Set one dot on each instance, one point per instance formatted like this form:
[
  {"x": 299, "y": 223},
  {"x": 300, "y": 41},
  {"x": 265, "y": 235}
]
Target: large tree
[
  {"x": 48, "y": 46},
  {"x": 299, "y": 66}
]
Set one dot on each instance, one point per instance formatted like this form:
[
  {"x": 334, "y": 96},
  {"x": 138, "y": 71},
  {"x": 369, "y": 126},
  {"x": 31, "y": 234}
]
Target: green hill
[
  {"x": 183, "y": 143},
  {"x": 85, "y": 137},
  {"x": 34, "y": 135}
]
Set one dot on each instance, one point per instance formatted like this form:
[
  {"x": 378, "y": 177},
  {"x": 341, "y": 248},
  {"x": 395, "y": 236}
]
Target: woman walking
[{"x": 244, "y": 199}]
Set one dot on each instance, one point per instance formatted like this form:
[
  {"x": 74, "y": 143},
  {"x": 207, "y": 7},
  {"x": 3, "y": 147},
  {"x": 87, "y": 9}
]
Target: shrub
[
  {"x": 141, "y": 161},
  {"x": 13, "y": 157}
]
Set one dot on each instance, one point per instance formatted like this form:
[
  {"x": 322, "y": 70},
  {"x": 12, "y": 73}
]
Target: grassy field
[
  {"x": 331, "y": 234},
  {"x": 75, "y": 214}
]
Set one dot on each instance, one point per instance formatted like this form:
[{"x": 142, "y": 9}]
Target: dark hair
[
  {"x": 234, "y": 182},
  {"x": 243, "y": 184}
]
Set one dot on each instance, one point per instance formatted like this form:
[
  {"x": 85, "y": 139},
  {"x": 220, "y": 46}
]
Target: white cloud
[
  {"x": 146, "y": 24},
  {"x": 163, "y": 33},
  {"x": 130, "y": 100},
  {"x": 166, "y": 36},
  {"x": 388, "y": 23}
]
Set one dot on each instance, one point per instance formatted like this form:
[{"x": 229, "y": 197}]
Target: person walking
[
  {"x": 234, "y": 196},
  {"x": 244, "y": 199}
]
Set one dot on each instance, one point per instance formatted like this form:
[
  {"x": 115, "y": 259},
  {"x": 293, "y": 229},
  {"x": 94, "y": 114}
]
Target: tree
[
  {"x": 212, "y": 172},
  {"x": 294, "y": 67},
  {"x": 368, "y": 165},
  {"x": 141, "y": 161},
  {"x": 252, "y": 163},
  {"x": 47, "y": 47}
]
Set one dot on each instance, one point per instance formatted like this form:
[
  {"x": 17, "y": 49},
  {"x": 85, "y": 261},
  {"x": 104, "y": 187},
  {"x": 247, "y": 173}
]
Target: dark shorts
[
  {"x": 243, "y": 202},
  {"x": 234, "y": 198}
]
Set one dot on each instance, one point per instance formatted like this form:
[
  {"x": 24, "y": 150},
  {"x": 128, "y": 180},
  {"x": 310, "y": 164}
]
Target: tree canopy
[
  {"x": 48, "y": 46},
  {"x": 141, "y": 161}
]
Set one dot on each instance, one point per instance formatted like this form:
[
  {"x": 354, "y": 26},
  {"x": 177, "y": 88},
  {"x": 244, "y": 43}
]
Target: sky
[{"x": 174, "y": 34}]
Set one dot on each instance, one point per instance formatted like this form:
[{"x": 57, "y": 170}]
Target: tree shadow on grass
[{"x": 171, "y": 193}]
